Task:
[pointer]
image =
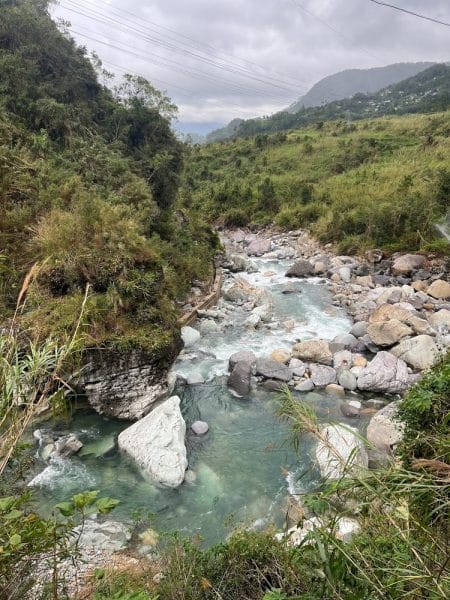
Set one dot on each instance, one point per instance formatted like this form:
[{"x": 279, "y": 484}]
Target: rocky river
[{"x": 346, "y": 335}]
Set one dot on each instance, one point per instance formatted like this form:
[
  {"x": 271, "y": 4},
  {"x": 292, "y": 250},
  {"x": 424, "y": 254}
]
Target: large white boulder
[
  {"x": 340, "y": 451},
  {"x": 156, "y": 443}
]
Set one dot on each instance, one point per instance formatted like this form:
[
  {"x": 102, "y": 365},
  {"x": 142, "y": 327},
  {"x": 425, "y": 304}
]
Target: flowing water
[{"x": 243, "y": 470}]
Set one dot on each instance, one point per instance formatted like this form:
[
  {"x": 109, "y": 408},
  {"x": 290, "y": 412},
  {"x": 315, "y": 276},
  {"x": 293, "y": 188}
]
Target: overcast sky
[{"x": 220, "y": 59}]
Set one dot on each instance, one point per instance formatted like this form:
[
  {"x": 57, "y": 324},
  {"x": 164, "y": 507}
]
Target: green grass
[{"x": 380, "y": 182}]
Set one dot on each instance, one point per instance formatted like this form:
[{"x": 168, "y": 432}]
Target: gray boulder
[
  {"x": 240, "y": 378},
  {"x": 259, "y": 247},
  {"x": 301, "y": 268},
  {"x": 109, "y": 536},
  {"x": 305, "y": 385},
  {"x": 440, "y": 320},
  {"x": 322, "y": 375},
  {"x": 384, "y": 430},
  {"x": 245, "y": 356},
  {"x": 419, "y": 352},
  {"x": 190, "y": 336},
  {"x": 344, "y": 357},
  {"x": 237, "y": 263},
  {"x": 67, "y": 446},
  {"x": 359, "y": 329},
  {"x": 156, "y": 443},
  {"x": 271, "y": 369},
  {"x": 386, "y": 374},
  {"x": 347, "y": 379}
]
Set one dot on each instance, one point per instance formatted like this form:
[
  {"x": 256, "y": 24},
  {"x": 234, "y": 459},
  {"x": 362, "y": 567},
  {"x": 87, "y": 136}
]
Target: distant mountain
[
  {"x": 354, "y": 81},
  {"x": 428, "y": 91},
  {"x": 225, "y": 132}
]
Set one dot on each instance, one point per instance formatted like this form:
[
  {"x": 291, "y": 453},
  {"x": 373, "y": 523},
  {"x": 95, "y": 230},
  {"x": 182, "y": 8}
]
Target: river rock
[
  {"x": 190, "y": 336},
  {"x": 321, "y": 375},
  {"x": 440, "y": 320},
  {"x": 345, "y": 274},
  {"x": 67, "y": 446},
  {"x": 195, "y": 379},
  {"x": 297, "y": 367},
  {"x": 301, "y": 268},
  {"x": 107, "y": 535},
  {"x": 243, "y": 356},
  {"x": 271, "y": 385},
  {"x": 388, "y": 333},
  {"x": 240, "y": 378},
  {"x": 359, "y": 329},
  {"x": 314, "y": 351},
  {"x": 200, "y": 427},
  {"x": 384, "y": 430},
  {"x": 388, "y": 312},
  {"x": 237, "y": 263},
  {"x": 258, "y": 247},
  {"x": 281, "y": 355},
  {"x": 407, "y": 263},
  {"x": 439, "y": 289},
  {"x": 156, "y": 443},
  {"x": 341, "y": 452},
  {"x": 252, "y": 321},
  {"x": 419, "y": 352},
  {"x": 335, "y": 389},
  {"x": 347, "y": 379},
  {"x": 208, "y": 326},
  {"x": 386, "y": 374},
  {"x": 349, "y": 411},
  {"x": 346, "y": 339},
  {"x": 344, "y": 357},
  {"x": 305, "y": 385},
  {"x": 270, "y": 369}
]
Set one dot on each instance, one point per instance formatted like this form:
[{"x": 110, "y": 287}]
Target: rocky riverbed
[{"x": 347, "y": 335}]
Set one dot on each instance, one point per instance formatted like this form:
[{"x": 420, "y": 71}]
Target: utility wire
[
  {"x": 336, "y": 31},
  {"x": 193, "y": 43},
  {"x": 171, "y": 64},
  {"x": 410, "y": 12},
  {"x": 106, "y": 19}
]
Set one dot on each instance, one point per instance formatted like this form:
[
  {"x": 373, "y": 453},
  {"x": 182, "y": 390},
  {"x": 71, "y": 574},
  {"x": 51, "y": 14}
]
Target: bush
[{"x": 236, "y": 217}]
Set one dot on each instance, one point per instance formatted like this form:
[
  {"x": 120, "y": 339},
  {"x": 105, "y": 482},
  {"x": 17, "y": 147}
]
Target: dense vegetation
[
  {"x": 429, "y": 91},
  {"x": 89, "y": 179},
  {"x": 380, "y": 182}
]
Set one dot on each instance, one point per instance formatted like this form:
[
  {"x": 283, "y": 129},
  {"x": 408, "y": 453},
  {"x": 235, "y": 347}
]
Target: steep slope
[
  {"x": 89, "y": 181},
  {"x": 356, "y": 81}
]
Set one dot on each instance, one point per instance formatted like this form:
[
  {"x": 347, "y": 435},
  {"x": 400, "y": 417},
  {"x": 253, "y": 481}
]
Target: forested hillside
[
  {"x": 428, "y": 91},
  {"x": 88, "y": 179},
  {"x": 381, "y": 182}
]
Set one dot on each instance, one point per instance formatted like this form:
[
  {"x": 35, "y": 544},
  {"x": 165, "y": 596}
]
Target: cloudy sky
[{"x": 221, "y": 59}]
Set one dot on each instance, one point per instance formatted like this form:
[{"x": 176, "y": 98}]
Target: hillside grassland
[{"x": 379, "y": 182}]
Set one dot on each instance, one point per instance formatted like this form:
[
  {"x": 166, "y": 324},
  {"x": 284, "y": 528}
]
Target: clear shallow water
[{"x": 243, "y": 468}]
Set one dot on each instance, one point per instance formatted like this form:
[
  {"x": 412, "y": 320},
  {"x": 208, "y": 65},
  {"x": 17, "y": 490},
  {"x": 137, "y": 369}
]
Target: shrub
[{"x": 236, "y": 217}]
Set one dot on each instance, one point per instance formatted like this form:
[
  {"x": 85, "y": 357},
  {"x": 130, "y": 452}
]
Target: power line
[
  {"x": 171, "y": 64},
  {"x": 336, "y": 31},
  {"x": 106, "y": 19},
  {"x": 410, "y": 12},
  {"x": 193, "y": 43}
]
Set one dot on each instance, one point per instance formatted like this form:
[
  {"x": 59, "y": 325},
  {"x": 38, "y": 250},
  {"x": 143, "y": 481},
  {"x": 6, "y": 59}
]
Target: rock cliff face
[{"x": 125, "y": 385}]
